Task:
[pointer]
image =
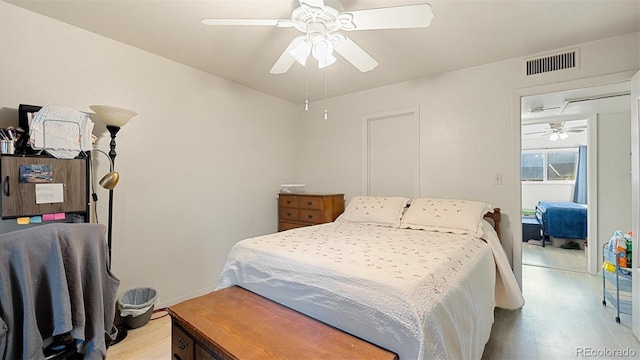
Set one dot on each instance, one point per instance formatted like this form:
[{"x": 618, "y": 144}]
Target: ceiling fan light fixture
[
  {"x": 328, "y": 60},
  {"x": 301, "y": 51},
  {"x": 554, "y": 136},
  {"x": 322, "y": 51},
  {"x": 563, "y": 135}
]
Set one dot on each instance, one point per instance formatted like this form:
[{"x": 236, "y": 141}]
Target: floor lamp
[
  {"x": 114, "y": 118},
  {"x": 109, "y": 182}
]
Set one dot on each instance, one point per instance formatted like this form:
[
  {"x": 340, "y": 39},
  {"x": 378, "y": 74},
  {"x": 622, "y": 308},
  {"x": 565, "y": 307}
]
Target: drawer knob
[
  {"x": 309, "y": 203},
  {"x": 288, "y": 201},
  {"x": 181, "y": 344},
  {"x": 310, "y": 216},
  {"x": 288, "y": 214}
]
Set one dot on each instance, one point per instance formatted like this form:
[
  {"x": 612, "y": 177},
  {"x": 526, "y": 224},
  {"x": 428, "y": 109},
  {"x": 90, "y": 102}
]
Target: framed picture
[{"x": 25, "y": 117}]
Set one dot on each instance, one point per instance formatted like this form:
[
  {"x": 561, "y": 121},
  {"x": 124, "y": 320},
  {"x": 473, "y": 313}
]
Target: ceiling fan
[
  {"x": 320, "y": 22},
  {"x": 558, "y": 130}
]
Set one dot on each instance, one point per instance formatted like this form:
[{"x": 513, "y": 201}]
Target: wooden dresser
[
  {"x": 304, "y": 209},
  {"x": 234, "y": 323}
]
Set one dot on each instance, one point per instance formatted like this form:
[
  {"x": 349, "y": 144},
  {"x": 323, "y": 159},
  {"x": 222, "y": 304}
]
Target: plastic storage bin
[
  {"x": 530, "y": 229},
  {"x": 136, "y": 306}
]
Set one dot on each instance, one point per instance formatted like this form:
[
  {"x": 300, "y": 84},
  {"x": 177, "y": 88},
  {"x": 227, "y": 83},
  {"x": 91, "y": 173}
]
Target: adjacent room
[
  {"x": 560, "y": 159},
  {"x": 315, "y": 178}
]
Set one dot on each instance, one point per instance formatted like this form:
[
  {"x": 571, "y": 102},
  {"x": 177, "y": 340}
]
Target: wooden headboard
[{"x": 496, "y": 216}]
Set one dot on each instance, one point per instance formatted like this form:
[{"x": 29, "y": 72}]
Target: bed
[
  {"x": 567, "y": 220},
  {"x": 421, "y": 281}
]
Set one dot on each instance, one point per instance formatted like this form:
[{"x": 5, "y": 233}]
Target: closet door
[{"x": 392, "y": 153}]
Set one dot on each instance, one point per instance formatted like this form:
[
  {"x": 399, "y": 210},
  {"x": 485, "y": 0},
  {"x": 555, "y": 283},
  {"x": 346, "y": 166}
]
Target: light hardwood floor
[
  {"x": 149, "y": 342},
  {"x": 554, "y": 257},
  {"x": 562, "y": 315}
]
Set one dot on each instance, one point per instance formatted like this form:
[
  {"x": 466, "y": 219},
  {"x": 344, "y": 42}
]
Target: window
[
  {"x": 533, "y": 166},
  {"x": 549, "y": 165}
]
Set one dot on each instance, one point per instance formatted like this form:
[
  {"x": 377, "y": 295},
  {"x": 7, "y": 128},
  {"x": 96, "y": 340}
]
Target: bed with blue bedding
[{"x": 567, "y": 220}]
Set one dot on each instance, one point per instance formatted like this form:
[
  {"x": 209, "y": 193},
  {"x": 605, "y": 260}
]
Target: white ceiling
[
  {"x": 462, "y": 34},
  {"x": 577, "y": 104}
]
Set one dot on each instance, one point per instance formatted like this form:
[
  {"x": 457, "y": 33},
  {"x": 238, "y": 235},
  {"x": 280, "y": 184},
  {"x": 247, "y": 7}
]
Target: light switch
[{"x": 497, "y": 179}]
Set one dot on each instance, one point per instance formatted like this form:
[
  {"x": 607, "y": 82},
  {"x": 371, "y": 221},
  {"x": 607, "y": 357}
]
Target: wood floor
[
  {"x": 563, "y": 316},
  {"x": 149, "y": 342},
  {"x": 554, "y": 257}
]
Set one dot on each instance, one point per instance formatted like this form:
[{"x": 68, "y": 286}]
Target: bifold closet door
[{"x": 392, "y": 154}]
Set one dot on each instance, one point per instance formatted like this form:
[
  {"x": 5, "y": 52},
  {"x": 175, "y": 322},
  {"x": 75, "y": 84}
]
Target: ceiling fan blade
[
  {"x": 539, "y": 132},
  {"x": 248, "y": 22},
  {"x": 398, "y": 17},
  {"x": 284, "y": 62},
  {"x": 355, "y": 55},
  {"x": 313, "y": 3}
]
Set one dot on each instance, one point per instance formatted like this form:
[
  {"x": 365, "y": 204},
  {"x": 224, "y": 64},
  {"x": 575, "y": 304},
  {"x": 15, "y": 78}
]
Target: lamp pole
[{"x": 113, "y": 130}]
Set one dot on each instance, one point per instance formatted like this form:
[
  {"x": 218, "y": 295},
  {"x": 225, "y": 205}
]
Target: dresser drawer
[
  {"x": 288, "y": 201},
  {"x": 308, "y": 202},
  {"x": 209, "y": 354},
  {"x": 284, "y": 225},
  {"x": 181, "y": 344},
  {"x": 311, "y": 216},
  {"x": 289, "y": 214}
]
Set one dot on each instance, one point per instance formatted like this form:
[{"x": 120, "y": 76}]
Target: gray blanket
[{"x": 54, "y": 280}]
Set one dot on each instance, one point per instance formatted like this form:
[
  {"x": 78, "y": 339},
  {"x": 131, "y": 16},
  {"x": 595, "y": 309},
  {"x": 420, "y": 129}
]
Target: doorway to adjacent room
[{"x": 571, "y": 162}]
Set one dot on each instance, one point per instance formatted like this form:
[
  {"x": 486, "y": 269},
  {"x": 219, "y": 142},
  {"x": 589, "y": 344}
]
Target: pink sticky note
[
  {"x": 59, "y": 216},
  {"x": 47, "y": 217}
]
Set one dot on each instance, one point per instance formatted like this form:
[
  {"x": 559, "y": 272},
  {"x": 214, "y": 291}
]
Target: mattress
[
  {"x": 417, "y": 293},
  {"x": 562, "y": 219}
]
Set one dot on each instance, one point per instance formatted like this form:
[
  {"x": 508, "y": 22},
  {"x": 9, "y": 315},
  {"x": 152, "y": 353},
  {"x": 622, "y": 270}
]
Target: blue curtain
[{"x": 580, "y": 188}]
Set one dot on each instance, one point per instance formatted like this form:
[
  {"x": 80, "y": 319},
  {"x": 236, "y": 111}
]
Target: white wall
[
  {"x": 200, "y": 165},
  {"x": 534, "y": 192},
  {"x": 614, "y": 176},
  {"x": 468, "y": 129}
]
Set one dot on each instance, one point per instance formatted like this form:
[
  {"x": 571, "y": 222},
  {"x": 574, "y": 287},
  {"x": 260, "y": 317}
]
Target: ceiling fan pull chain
[
  {"x": 306, "y": 79},
  {"x": 306, "y": 90},
  {"x": 326, "y": 117}
]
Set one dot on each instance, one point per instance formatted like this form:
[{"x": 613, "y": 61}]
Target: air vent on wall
[{"x": 565, "y": 60}]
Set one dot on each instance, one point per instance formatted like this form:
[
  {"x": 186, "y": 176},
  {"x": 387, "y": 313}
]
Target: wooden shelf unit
[{"x": 19, "y": 198}]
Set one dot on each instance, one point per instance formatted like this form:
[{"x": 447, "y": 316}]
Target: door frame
[
  {"x": 516, "y": 130},
  {"x": 635, "y": 199}
]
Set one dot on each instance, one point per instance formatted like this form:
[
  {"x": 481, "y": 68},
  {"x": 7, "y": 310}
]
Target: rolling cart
[{"x": 616, "y": 284}]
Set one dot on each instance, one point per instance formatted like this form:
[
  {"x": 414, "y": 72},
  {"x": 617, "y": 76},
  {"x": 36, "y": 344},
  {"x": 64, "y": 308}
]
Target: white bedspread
[{"x": 419, "y": 294}]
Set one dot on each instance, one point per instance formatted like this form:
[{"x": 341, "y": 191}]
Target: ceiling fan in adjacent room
[
  {"x": 557, "y": 130},
  {"x": 320, "y": 22}
]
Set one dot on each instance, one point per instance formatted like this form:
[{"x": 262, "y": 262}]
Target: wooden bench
[{"x": 234, "y": 323}]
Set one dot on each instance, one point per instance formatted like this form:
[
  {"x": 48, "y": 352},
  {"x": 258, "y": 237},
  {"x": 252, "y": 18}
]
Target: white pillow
[
  {"x": 455, "y": 216},
  {"x": 383, "y": 211}
]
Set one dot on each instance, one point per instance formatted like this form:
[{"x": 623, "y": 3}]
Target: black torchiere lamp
[
  {"x": 114, "y": 118},
  {"x": 109, "y": 182}
]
